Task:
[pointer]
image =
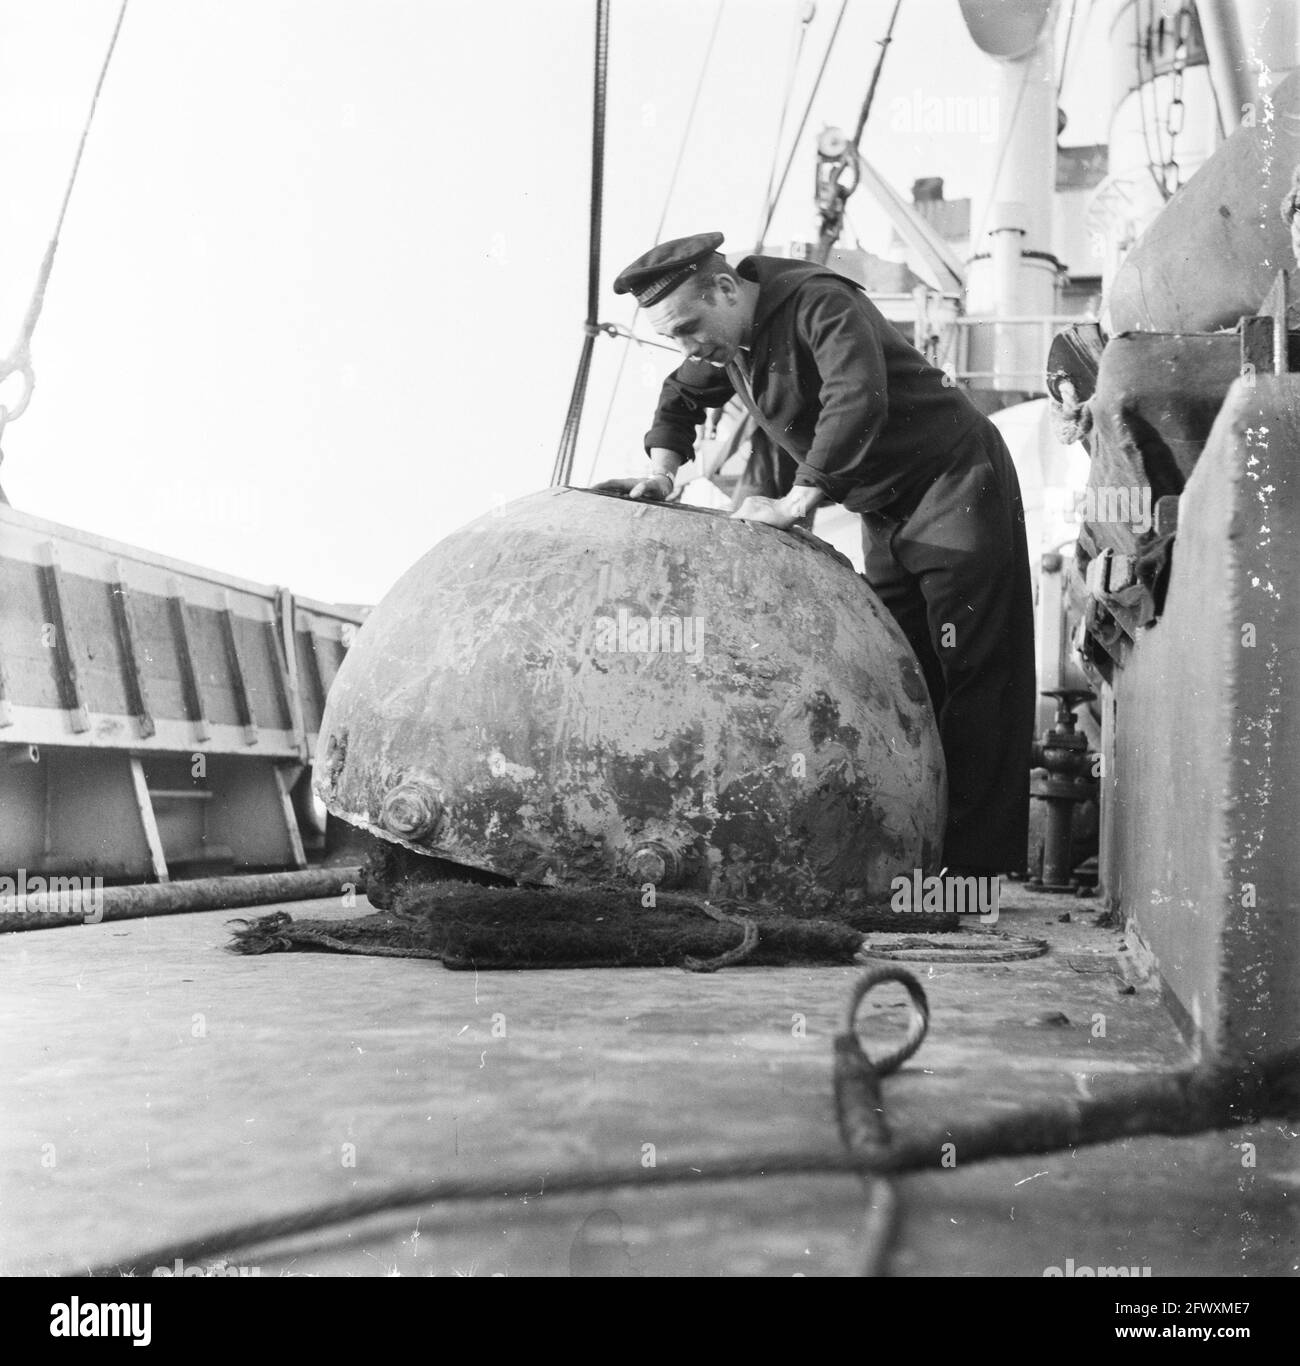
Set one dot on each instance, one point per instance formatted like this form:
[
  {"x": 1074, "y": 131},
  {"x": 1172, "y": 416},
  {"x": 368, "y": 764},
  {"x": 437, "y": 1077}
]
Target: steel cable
[
  {"x": 794, "y": 146},
  {"x": 663, "y": 218},
  {"x": 573, "y": 418},
  {"x": 803, "y": 18},
  {"x": 19, "y": 359}
]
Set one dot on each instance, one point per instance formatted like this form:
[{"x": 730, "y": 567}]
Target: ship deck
[{"x": 157, "y": 1086}]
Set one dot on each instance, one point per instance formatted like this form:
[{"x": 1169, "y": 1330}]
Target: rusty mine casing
[{"x": 579, "y": 688}]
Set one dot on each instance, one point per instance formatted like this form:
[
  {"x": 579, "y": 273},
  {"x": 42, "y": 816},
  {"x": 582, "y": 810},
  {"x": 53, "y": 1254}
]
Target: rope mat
[{"x": 468, "y": 926}]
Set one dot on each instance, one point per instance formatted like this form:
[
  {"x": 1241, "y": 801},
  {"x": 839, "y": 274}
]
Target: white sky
[{"x": 318, "y": 298}]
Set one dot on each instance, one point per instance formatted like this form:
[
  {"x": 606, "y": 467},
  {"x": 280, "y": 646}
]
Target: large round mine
[{"x": 579, "y": 688}]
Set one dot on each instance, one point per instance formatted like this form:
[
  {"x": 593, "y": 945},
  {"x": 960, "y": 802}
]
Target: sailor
[{"x": 869, "y": 423}]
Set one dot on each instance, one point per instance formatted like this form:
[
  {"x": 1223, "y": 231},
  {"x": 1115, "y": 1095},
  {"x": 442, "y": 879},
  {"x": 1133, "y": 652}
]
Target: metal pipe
[
  {"x": 74, "y": 903},
  {"x": 1058, "y": 863},
  {"x": 1251, "y": 44},
  {"x": 1061, "y": 780},
  {"x": 1012, "y": 271}
]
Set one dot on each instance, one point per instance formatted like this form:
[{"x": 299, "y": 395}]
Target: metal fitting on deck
[{"x": 1062, "y": 779}]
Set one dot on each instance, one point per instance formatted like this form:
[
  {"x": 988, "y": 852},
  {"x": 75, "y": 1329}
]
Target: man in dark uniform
[{"x": 871, "y": 424}]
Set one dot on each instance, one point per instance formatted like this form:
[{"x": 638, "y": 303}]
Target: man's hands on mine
[
  {"x": 653, "y": 489},
  {"x": 772, "y": 511}
]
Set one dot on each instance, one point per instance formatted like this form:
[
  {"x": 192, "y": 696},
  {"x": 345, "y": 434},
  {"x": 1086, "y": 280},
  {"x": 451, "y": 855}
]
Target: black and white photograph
[{"x": 649, "y": 638}]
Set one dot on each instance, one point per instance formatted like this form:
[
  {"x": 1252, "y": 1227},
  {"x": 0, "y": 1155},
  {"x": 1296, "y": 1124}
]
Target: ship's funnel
[
  {"x": 1007, "y": 29},
  {"x": 580, "y": 688},
  {"x": 1012, "y": 272}
]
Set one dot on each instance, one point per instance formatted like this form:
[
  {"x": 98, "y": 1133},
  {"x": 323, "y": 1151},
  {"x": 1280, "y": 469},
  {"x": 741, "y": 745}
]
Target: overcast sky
[{"x": 318, "y": 298}]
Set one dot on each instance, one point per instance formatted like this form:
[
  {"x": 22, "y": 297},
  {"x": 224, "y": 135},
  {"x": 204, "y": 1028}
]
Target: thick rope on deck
[
  {"x": 1223, "y": 1094},
  {"x": 747, "y": 945},
  {"x": 468, "y": 927},
  {"x": 860, "y": 1108}
]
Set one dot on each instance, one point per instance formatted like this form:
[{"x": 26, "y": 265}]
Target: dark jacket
[{"x": 868, "y": 419}]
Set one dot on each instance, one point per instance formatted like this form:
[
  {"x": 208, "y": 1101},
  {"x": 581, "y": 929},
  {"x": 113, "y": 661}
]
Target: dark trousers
[{"x": 954, "y": 571}]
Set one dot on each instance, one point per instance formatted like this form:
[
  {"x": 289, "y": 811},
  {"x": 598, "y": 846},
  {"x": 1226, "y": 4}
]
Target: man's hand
[
  {"x": 652, "y": 489},
  {"x": 795, "y": 508},
  {"x": 769, "y": 510}
]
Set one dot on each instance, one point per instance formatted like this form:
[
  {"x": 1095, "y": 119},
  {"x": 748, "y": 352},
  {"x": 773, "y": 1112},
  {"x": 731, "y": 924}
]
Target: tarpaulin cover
[{"x": 1156, "y": 400}]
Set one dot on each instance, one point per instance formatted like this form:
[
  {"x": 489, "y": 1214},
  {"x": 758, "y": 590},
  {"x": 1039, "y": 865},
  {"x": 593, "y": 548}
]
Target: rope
[
  {"x": 663, "y": 218},
  {"x": 573, "y": 418},
  {"x": 618, "y": 330},
  {"x": 794, "y": 146},
  {"x": 19, "y": 359},
  {"x": 747, "y": 945},
  {"x": 860, "y": 1109},
  {"x": 690, "y": 118},
  {"x": 270, "y": 930},
  {"x": 870, "y": 99},
  {"x": 833, "y": 197},
  {"x": 1223, "y": 1094},
  {"x": 918, "y": 1026},
  {"x": 1065, "y": 51}
]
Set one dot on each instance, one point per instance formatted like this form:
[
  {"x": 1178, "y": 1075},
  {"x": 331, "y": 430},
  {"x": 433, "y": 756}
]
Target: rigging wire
[
  {"x": 663, "y": 218},
  {"x": 852, "y": 227},
  {"x": 690, "y": 118},
  {"x": 805, "y": 17},
  {"x": 19, "y": 359},
  {"x": 1065, "y": 51},
  {"x": 618, "y": 330},
  {"x": 794, "y": 146},
  {"x": 569, "y": 437},
  {"x": 865, "y": 113},
  {"x": 832, "y": 194}
]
